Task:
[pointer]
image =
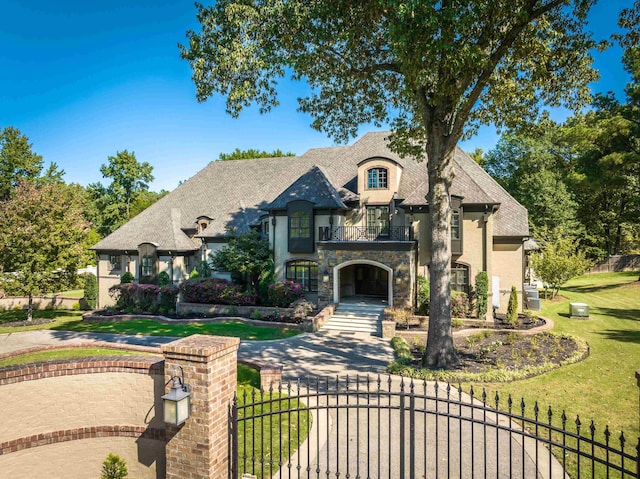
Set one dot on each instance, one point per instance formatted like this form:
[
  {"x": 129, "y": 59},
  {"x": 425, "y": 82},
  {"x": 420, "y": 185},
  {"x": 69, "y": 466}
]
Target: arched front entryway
[{"x": 363, "y": 278}]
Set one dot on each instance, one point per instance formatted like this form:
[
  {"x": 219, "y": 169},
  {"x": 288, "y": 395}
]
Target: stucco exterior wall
[
  {"x": 473, "y": 230},
  {"x": 83, "y": 459},
  {"x": 378, "y": 196},
  {"x": 65, "y": 417},
  {"x": 69, "y": 402},
  {"x": 281, "y": 244},
  {"x": 508, "y": 266}
]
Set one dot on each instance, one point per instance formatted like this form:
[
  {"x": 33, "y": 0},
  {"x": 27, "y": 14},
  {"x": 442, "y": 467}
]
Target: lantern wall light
[{"x": 177, "y": 402}]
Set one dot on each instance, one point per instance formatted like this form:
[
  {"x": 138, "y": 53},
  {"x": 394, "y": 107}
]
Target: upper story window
[
  {"x": 377, "y": 179},
  {"x": 115, "y": 262},
  {"x": 455, "y": 225},
  {"x": 299, "y": 225}
]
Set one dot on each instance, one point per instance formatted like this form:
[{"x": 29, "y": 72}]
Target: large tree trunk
[
  {"x": 30, "y": 308},
  {"x": 440, "y": 352}
]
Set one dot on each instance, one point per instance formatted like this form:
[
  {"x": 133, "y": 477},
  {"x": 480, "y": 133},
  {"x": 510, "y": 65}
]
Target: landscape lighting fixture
[{"x": 177, "y": 402}]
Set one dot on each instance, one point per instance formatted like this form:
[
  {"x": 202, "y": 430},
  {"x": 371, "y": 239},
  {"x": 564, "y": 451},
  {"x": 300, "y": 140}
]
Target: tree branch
[{"x": 495, "y": 58}]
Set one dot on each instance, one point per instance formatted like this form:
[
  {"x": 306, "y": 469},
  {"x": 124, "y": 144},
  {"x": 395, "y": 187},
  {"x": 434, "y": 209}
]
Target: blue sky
[{"x": 85, "y": 79}]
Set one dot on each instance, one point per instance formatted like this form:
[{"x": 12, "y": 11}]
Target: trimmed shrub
[
  {"x": 215, "y": 291},
  {"x": 482, "y": 293},
  {"x": 512, "y": 308},
  {"x": 164, "y": 279},
  {"x": 302, "y": 308},
  {"x": 167, "y": 299},
  {"x": 284, "y": 293},
  {"x": 400, "y": 315},
  {"x": 91, "y": 290},
  {"x": 460, "y": 305},
  {"x": 127, "y": 278},
  {"x": 114, "y": 467},
  {"x": 401, "y": 350},
  {"x": 135, "y": 298},
  {"x": 422, "y": 308}
]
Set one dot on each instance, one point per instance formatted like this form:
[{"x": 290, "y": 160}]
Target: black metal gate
[{"x": 370, "y": 427}]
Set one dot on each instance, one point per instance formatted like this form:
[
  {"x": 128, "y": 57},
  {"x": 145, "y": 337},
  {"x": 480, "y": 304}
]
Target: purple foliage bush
[
  {"x": 215, "y": 291},
  {"x": 144, "y": 298},
  {"x": 460, "y": 305},
  {"x": 284, "y": 293}
]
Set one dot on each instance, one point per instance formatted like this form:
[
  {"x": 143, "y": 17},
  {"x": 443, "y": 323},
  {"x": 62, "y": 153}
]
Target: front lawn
[
  {"x": 72, "y": 321},
  {"x": 149, "y": 327},
  {"x": 603, "y": 387},
  {"x": 68, "y": 354},
  {"x": 59, "y": 319}
]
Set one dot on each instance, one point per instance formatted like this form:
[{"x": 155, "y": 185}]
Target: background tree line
[
  {"x": 47, "y": 226},
  {"x": 580, "y": 179}
]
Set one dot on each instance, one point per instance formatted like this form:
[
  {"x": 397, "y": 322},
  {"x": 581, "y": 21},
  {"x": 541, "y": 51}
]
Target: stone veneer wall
[
  {"x": 62, "y": 418},
  {"x": 400, "y": 257}
]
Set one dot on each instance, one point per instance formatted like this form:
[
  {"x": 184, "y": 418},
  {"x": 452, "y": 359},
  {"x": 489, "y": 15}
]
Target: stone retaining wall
[{"x": 183, "y": 308}]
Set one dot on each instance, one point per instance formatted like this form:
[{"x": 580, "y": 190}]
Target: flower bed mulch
[
  {"x": 33, "y": 322},
  {"x": 499, "y": 356}
]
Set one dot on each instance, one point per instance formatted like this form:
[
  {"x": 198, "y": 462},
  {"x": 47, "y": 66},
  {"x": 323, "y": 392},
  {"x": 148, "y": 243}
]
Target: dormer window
[{"x": 377, "y": 179}]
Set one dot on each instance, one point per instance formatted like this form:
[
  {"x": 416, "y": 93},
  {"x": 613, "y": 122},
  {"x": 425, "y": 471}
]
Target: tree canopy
[
  {"x": 126, "y": 195},
  {"x": 581, "y": 178},
  {"x": 432, "y": 70},
  {"x": 246, "y": 256},
  {"x": 18, "y": 162},
  {"x": 251, "y": 153},
  {"x": 41, "y": 233}
]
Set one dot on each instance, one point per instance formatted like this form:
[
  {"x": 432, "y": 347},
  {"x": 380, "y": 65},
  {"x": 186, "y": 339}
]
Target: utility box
[
  {"x": 532, "y": 294},
  {"x": 578, "y": 310},
  {"x": 534, "y": 304}
]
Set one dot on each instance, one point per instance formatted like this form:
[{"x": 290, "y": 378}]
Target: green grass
[
  {"x": 60, "y": 317},
  {"x": 72, "y": 321},
  {"x": 261, "y": 436},
  {"x": 150, "y": 327},
  {"x": 67, "y": 354},
  {"x": 272, "y": 432},
  {"x": 603, "y": 387}
]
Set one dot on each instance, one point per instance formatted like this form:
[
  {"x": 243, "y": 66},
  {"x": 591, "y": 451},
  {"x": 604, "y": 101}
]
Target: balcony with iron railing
[{"x": 365, "y": 233}]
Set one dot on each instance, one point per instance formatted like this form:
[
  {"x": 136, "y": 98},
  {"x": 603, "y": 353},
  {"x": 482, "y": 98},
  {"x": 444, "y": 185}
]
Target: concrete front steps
[{"x": 357, "y": 318}]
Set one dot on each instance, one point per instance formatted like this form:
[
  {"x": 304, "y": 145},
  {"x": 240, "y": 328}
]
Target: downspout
[
  {"x": 273, "y": 235},
  {"x": 485, "y": 219}
]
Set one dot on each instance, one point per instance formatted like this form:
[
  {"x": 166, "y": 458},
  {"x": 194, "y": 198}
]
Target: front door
[
  {"x": 377, "y": 221},
  {"x": 371, "y": 281}
]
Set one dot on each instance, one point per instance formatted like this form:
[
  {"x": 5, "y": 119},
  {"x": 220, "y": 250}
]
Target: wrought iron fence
[
  {"x": 365, "y": 233},
  {"x": 366, "y": 427}
]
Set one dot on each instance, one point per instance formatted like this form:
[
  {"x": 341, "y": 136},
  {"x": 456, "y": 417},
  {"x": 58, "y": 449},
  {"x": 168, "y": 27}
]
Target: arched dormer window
[{"x": 377, "y": 179}]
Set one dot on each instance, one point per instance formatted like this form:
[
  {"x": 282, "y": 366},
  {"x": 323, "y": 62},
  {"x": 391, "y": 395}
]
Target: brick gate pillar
[{"x": 198, "y": 449}]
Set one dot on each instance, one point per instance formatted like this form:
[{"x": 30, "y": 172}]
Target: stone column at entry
[{"x": 198, "y": 449}]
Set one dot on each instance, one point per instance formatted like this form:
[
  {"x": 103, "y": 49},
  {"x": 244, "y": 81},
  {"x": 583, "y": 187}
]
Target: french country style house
[{"x": 343, "y": 222}]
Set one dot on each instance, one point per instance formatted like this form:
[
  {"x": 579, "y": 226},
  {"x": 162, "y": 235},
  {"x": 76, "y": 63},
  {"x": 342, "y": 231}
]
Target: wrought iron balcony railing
[{"x": 365, "y": 233}]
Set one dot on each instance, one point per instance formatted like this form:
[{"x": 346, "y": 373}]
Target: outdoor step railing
[{"x": 365, "y": 233}]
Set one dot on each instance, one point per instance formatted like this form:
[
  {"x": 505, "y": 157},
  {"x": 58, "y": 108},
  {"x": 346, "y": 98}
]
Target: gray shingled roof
[
  {"x": 314, "y": 187},
  {"x": 236, "y": 193}
]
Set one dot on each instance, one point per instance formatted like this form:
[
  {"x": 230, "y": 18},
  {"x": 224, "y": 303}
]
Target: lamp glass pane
[
  {"x": 183, "y": 410},
  {"x": 170, "y": 411}
]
